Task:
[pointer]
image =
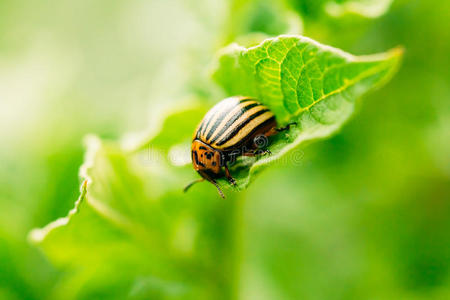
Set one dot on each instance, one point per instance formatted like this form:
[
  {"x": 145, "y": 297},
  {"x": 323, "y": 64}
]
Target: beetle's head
[{"x": 205, "y": 158}]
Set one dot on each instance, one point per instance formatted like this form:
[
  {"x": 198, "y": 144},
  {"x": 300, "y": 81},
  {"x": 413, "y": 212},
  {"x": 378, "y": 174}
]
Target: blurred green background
[{"x": 365, "y": 216}]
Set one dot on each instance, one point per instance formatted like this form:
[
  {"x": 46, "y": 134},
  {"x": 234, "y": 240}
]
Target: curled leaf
[{"x": 302, "y": 81}]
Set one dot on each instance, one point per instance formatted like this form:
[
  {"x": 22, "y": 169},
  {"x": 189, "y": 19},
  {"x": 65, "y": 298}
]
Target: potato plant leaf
[{"x": 302, "y": 81}]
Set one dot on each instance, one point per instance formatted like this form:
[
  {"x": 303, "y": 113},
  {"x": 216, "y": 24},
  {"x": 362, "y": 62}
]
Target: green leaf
[
  {"x": 302, "y": 81},
  {"x": 133, "y": 234}
]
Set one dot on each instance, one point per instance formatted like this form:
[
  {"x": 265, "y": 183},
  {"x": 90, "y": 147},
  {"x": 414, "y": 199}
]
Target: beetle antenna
[
  {"x": 191, "y": 184},
  {"x": 187, "y": 187}
]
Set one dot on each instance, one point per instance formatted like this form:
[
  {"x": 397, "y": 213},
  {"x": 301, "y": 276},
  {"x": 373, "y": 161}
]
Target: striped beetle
[{"x": 234, "y": 127}]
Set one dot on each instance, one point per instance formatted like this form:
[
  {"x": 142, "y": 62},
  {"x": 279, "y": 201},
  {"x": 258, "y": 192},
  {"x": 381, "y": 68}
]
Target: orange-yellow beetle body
[{"x": 234, "y": 127}]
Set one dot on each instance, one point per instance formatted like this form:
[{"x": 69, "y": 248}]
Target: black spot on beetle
[
  {"x": 196, "y": 159},
  {"x": 202, "y": 148},
  {"x": 194, "y": 154},
  {"x": 214, "y": 163}
]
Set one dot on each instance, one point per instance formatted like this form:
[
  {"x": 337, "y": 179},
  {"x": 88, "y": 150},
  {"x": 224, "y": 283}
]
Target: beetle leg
[
  {"x": 217, "y": 187},
  {"x": 287, "y": 127},
  {"x": 275, "y": 130},
  {"x": 207, "y": 177},
  {"x": 250, "y": 153},
  {"x": 228, "y": 175},
  {"x": 266, "y": 151},
  {"x": 253, "y": 153}
]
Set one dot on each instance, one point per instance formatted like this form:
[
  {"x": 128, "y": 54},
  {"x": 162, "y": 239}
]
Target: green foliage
[
  {"x": 132, "y": 235},
  {"x": 304, "y": 82},
  {"x": 131, "y": 215},
  {"x": 360, "y": 215}
]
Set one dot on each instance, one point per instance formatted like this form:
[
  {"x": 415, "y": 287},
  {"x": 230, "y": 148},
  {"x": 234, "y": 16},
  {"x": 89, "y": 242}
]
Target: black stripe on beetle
[
  {"x": 232, "y": 117},
  {"x": 237, "y": 128}
]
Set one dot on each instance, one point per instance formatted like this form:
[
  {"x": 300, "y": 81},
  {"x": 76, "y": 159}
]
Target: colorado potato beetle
[{"x": 236, "y": 126}]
